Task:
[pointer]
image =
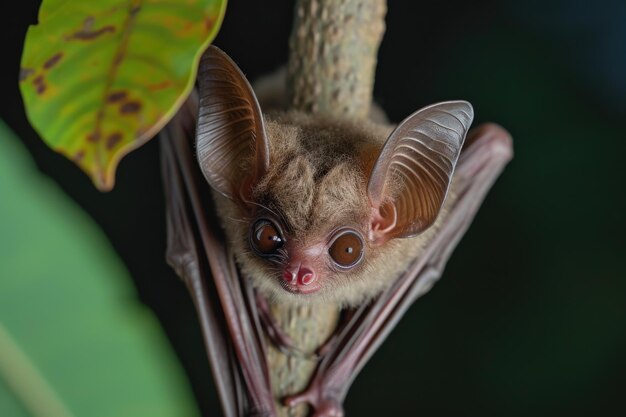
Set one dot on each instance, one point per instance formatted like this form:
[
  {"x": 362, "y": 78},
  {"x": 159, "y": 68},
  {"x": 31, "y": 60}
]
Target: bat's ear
[
  {"x": 231, "y": 142},
  {"x": 410, "y": 179}
]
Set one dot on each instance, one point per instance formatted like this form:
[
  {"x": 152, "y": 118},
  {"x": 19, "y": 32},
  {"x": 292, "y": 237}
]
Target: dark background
[{"x": 530, "y": 316}]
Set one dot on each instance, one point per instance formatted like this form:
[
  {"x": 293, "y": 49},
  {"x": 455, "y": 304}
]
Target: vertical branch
[
  {"x": 290, "y": 372},
  {"x": 333, "y": 49}
]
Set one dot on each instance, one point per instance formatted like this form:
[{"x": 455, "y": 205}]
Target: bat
[{"x": 299, "y": 208}]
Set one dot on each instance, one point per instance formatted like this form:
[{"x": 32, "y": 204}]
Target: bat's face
[
  {"x": 304, "y": 267},
  {"x": 307, "y": 230},
  {"x": 317, "y": 263},
  {"x": 308, "y": 235},
  {"x": 314, "y": 206}
]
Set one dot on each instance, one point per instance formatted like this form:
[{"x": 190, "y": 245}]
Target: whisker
[
  {"x": 278, "y": 216},
  {"x": 237, "y": 220},
  {"x": 263, "y": 206}
]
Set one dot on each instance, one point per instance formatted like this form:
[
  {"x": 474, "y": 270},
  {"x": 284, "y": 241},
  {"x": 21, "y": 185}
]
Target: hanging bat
[{"x": 309, "y": 209}]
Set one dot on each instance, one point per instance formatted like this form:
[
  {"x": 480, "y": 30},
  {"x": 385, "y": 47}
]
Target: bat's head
[{"x": 314, "y": 207}]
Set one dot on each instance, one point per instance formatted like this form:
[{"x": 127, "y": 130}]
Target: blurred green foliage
[{"x": 74, "y": 340}]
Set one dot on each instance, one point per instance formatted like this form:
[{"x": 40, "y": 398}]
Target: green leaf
[
  {"x": 100, "y": 78},
  {"x": 74, "y": 340}
]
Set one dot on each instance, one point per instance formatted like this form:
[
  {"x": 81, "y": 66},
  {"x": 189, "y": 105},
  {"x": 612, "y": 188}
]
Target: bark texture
[
  {"x": 290, "y": 372},
  {"x": 332, "y": 62},
  {"x": 333, "y": 50}
]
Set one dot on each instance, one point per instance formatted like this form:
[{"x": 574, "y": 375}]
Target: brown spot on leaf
[
  {"x": 53, "y": 60},
  {"x": 135, "y": 9},
  {"x": 160, "y": 86},
  {"x": 209, "y": 22},
  {"x": 130, "y": 107},
  {"x": 93, "y": 137},
  {"x": 40, "y": 85},
  {"x": 116, "y": 96},
  {"x": 88, "y": 33},
  {"x": 113, "y": 140},
  {"x": 188, "y": 26},
  {"x": 78, "y": 156},
  {"x": 25, "y": 73}
]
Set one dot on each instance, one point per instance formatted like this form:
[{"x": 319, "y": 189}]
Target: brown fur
[{"x": 317, "y": 183}]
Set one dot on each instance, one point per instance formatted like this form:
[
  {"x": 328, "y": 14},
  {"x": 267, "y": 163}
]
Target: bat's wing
[
  {"x": 225, "y": 304},
  {"x": 487, "y": 150}
]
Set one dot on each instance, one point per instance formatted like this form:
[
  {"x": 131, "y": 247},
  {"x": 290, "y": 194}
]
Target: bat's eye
[
  {"x": 347, "y": 249},
  {"x": 265, "y": 237}
]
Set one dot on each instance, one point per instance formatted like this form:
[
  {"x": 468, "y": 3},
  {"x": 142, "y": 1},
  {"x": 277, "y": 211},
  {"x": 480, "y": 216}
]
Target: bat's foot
[{"x": 322, "y": 406}]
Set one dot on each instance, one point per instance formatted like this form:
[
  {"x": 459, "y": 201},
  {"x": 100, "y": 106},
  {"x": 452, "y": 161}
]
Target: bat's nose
[
  {"x": 299, "y": 275},
  {"x": 306, "y": 276}
]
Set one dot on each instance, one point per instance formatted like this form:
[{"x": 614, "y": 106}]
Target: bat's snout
[{"x": 300, "y": 279}]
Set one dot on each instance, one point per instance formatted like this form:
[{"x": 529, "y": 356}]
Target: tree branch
[{"x": 332, "y": 62}]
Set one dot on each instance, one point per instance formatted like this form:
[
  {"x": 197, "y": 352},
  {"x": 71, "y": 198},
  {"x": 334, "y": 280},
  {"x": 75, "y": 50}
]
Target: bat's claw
[
  {"x": 324, "y": 407},
  {"x": 329, "y": 408}
]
